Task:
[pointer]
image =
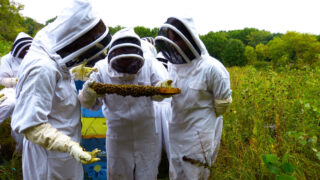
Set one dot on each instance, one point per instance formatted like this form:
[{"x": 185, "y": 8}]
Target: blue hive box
[
  {"x": 93, "y": 136},
  {"x": 98, "y": 170}
]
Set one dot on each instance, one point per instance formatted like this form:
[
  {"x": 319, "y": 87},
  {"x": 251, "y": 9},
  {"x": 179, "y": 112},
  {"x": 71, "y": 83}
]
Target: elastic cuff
[{"x": 223, "y": 101}]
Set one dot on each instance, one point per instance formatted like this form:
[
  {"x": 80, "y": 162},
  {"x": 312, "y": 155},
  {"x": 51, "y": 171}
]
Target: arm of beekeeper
[
  {"x": 219, "y": 80},
  {"x": 3, "y": 116},
  {"x": 89, "y": 99},
  {"x": 7, "y": 102},
  {"x": 9, "y": 82},
  {"x": 50, "y": 138},
  {"x": 6, "y": 76},
  {"x": 33, "y": 104},
  {"x": 81, "y": 72}
]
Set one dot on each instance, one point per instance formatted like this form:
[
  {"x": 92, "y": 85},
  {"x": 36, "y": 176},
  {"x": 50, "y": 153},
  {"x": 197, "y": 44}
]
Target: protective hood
[
  {"x": 179, "y": 41},
  {"x": 125, "y": 55},
  {"x": 78, "y": 35},
  {"x": 149, "y": 51},
  {"x": 21, "y": 45}
]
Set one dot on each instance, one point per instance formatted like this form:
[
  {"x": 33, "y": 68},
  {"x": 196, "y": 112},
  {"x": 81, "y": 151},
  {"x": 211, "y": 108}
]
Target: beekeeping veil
[
  {"x": 78, "y": 35},
  {"x": 21, "y": 45},
  {"x": 178, "y": 41},
  {"x": 125, "y": 54}
]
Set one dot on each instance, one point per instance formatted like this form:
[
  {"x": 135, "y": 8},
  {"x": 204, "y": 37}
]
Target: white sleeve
[
  {"x": 7, "y": 106},
  {"x": 34, "y": 99},
  {"x": 219, "y": 84},
  {"x": 5, "y": 69},
  {"x": 85, "y": 99}
]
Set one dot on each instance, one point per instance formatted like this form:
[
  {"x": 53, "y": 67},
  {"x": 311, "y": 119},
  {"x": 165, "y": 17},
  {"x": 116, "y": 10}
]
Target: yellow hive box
[{"x": 93, "y": 127}]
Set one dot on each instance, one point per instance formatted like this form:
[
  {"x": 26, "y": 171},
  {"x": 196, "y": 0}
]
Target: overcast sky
[{"x": 209, "y": 15}]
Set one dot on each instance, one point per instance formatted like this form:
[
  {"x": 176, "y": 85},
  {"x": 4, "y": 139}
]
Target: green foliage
[
  {"x": 50, "y": 20},
  {"x": 145, "y": 32},
  {"x": 10, "y": 161},
  {"x": 11, "y": 169},
  {"x": 242, "y": 35},
  {"x": 233, "y": 53},
  {"x": 32, "y": 26},
  {"x": 250, "y": 54},
  {"x": 10, "y": 19},
  {"x": 262, "y": 65},
  {"x": 5, "y": 47},
  {"x": 262, "y": 52},
  {"x": 215, "y": 43},
  {"x": 259, "y": 37},
  {"x": 113, "y": 30},
  {"x": 283, "y": 170},
  {"x": 295, "y": 49}
]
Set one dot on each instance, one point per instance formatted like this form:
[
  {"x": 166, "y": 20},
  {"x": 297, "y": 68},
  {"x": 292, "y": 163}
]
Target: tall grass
[{"x": 272, "y": 113}]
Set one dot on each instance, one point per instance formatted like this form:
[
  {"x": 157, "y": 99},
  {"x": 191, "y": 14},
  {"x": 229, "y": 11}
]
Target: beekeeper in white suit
[
  {"x": 132, "y": 142},
  {"x": 165, "y": 106},
  {"x": 163, "y": 111},
  {"x": 10, "y": 63},
  {"x": 195, "y": 129},
  {"x": 9, "y": 67},
  {"x": 47, "y": 109}
]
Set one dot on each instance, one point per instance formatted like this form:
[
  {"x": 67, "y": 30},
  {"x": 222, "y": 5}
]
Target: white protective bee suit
[
  {"x": 9, "y": 67},
  {"x": 196, "y": 126},
  {"x": 47, "y": 109},
  {"x": 132, "y": 142},
  {"x": 163, "y": 111}
]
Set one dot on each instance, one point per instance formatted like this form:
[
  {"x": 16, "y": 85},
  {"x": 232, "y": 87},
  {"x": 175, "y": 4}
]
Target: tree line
[{"x": 233, "y": 48}]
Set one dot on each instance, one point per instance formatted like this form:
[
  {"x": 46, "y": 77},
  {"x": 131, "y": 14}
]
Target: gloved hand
[
  {"x": 85, "y": 157},
  {"x": 2, "y": 98},
  {"x": 88, "y": 96},
  {"x": 82, "y": 73},
  {"x": 89, "y": 91},
  {"x": 50, "y": 138},
  {"x": 9, "y": 82},
  {"x": 165, "y": 84},
  {"x": 222, "y": 105}
]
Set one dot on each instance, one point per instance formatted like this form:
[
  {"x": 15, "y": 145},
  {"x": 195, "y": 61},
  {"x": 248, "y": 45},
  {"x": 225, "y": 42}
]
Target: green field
[
  {"x": 275, "y": 115},
  {"x": 272, "y": 113}
]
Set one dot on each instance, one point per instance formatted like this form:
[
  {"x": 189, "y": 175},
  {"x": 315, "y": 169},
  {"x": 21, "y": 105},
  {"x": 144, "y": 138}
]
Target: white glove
[
  {"x": 82, "y": 73},
  {"x": 165, "y": 84},
  {"x": 88, "y": 96},
  {"x": 82, "y": 156},
  {"x": 50, "y": 138},
  {"x": 2, "y": 98},
  {"x": 9, "y": 82},
  {"x": 222, "y": 105}
]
